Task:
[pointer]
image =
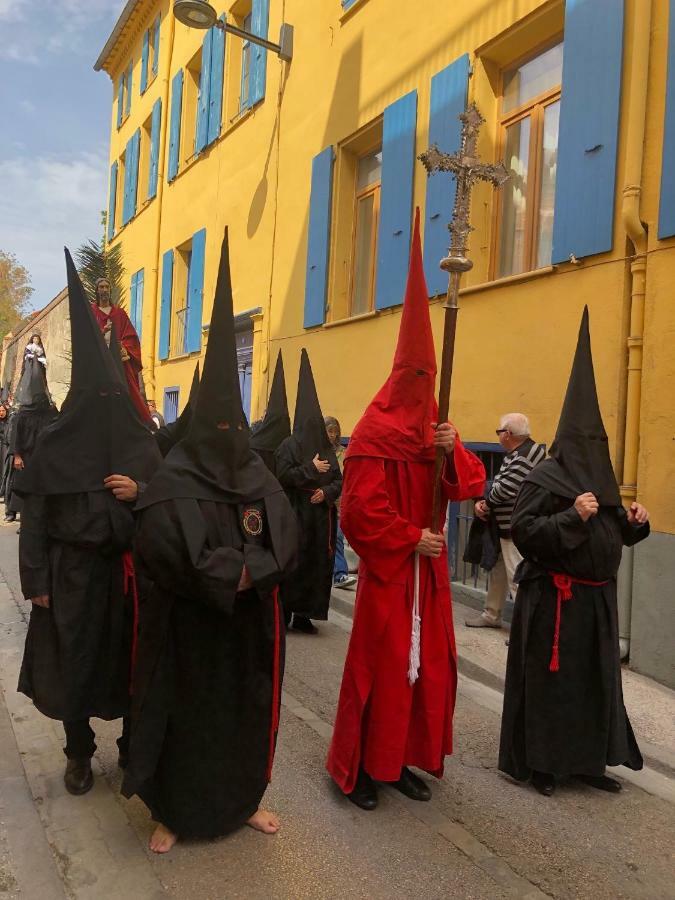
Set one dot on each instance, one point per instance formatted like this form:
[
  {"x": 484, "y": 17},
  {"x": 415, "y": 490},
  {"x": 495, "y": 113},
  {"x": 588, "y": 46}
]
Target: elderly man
[{"x": 522, "y": 455}]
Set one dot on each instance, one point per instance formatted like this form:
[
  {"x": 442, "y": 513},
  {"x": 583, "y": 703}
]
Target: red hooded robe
[
  {"x": 383, "y": 723},
  {"x": 127, "y": 337}
]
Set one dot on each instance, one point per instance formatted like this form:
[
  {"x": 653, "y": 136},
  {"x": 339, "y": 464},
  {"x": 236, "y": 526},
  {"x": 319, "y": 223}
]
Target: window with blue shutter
[
  {"x": 318, "y": 240},
  {"x": 120, "y": 102},
  {"x": 136, "y": 300},
  {"x": 174, "y": 126},
  {"x": 398, "y": 161},
  {"x": 448, "y": 100},
  {"x": 154, "y": 147},
  {"x": 128, "y": 167},
  {"x": 193, "y": 328},
  {"x": 260, "y": 15},
  {"x": 202, "y": 127},
  {"x": 216, "y": 84},
  {"x": 129, "y": 83},
  {"x": 245, "y": 90},
  {"x": 112, "y": 200},
  {"x": 145, "y": 54},
  {"x": 589, "y": 126},
  {"x": 165, "y": 305},
  {"x": 667, "y": 199}
]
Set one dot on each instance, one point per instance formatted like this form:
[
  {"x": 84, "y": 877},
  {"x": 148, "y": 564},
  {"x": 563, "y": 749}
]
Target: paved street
[{"x": 481, "y": 837}]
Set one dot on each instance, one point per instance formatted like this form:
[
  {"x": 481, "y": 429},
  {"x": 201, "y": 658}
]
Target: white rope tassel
[{"x": 414, "y": 659}]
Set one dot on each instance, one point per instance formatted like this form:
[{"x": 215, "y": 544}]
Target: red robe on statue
[
  {"x": 383, "y": 722},
  {"x": 129, "y": 341}
]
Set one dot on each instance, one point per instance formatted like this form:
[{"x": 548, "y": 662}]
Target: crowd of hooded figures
[{"x": 164, "y": 568}]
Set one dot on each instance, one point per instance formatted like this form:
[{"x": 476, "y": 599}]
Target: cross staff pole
[{"x": 467, "y": 169}]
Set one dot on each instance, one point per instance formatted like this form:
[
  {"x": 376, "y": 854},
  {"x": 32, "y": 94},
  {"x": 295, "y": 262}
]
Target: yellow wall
[{"x": 515, "y": 340}]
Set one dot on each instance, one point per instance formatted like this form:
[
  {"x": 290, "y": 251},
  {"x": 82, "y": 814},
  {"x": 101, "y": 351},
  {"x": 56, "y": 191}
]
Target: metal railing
[{"x": 469, "y": 574}]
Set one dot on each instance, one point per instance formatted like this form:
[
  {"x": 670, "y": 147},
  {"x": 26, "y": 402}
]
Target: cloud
[
  {"x": 50, "y": 201},
  {"x": 28, "y": 107},
  {"x": 18, "y": 52},
  {"x": 13, "y": 10}
]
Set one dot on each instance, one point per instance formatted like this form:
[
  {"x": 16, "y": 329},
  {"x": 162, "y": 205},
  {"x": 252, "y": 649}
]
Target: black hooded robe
[
  {"x": 210, "y": 658},
  {"x": 573, "y": 721},
  {"x": 207, "y": 687},
  {"x": 76, "y": 538}
]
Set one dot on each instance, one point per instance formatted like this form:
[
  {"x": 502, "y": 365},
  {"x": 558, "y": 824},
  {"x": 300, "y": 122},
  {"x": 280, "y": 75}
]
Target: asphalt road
[{"x": 482, "y": 836}]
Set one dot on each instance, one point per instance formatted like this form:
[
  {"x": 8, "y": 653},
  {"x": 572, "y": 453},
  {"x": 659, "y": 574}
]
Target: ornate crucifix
[{"x": 467, "y": 170}]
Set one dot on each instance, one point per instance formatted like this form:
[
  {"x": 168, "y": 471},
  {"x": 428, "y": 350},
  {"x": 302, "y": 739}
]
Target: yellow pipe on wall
[{"x": 161, "y": 162}]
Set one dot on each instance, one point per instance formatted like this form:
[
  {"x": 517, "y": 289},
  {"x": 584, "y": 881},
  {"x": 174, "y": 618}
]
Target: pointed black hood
[
  {"x": 579, "y": 459},
  {"x": 98, "y": 431},
  {"x": 214, "y": 460},
  {"x": 276, "y": 425}
]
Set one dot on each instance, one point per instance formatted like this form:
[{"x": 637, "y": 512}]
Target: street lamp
[{"x": 200, "y": 14}]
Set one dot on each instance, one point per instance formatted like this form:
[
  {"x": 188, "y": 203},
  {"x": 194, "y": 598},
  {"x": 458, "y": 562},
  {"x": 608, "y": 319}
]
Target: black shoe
[
  {"x": 364, "y": 794},
  {"x": 78, "y": 778},
  {"x": 9, "y": 518},
  {"x": 544, "y": 783},
  {"x": 601, "y": 783},
  {"x": 303, "y": 624},
  {"x": 412, "y": 786}
]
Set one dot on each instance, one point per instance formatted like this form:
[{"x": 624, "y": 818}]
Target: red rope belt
[
  {"x": 276, "y": 687},
  {"x": 129, "y": 574},
  {"x": 563, "y": 584}
]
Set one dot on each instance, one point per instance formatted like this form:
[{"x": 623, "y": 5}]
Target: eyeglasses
[{"x": 501, "y": 431}]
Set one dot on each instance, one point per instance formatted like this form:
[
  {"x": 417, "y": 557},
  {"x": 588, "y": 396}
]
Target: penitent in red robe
[
  {"x": 383, "y": 723},
  {"x": 127, "y": 337}
]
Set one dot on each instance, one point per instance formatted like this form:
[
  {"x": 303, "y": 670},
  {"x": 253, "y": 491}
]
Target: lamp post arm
[{"x": 284, "y": 49}]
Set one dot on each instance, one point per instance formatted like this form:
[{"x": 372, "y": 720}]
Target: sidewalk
[{"x": 482, "y": 656}]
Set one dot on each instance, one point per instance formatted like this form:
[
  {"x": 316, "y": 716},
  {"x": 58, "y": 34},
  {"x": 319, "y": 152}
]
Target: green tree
[
  {"x": 15, "y": 292},
  {"x": 96, "y": 261}
]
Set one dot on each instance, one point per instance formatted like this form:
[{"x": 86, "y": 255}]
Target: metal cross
[{"x": 467, "y": 169}]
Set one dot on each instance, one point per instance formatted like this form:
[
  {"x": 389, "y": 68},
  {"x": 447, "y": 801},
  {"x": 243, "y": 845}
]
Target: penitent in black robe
[
  {"x": 206, "y": 698},
  {"x": 76, "y": 663},
  {"x": 307, "y": 593},
  {"x": 573, "y": 721}
]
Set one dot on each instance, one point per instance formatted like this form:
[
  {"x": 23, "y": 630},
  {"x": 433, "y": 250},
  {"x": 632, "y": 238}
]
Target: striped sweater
[{"x": 515, "y": 468}]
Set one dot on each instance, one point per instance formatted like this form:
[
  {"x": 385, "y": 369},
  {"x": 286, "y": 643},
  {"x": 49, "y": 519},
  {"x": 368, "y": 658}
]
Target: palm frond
[{"x": 96, "y": 261}]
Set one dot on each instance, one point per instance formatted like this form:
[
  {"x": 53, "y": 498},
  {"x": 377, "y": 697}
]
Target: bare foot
[
  {"x": 264, "y": 821},
  {"x": 162, "y": 839}
]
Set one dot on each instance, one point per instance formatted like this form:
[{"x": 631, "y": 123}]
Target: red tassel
[{"x": 129, "y": 574}]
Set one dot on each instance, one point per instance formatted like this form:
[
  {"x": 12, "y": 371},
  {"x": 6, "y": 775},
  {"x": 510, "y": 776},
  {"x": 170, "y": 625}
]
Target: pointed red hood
[{"x": 397, "y": 423}]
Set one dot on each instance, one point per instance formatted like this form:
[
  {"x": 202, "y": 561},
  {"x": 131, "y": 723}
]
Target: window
[
  {"x": 244, "y": 339},
  {"x": 193, "y": 73},
  {"x": 366, "y": 219},
  {"x": 529, "y": 119},
  {"x": 150, "y": 55},
  {"x": 171, "y": 404},
  {"x": 128, "y": 82},
  {"x": 144, "y": 160},
  {"x": 121, "y": 200},
  {"x": 245, "y": 93},
  {"x": 179, "y": 300}
]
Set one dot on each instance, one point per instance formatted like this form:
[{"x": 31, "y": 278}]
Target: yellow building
[{"x": 312, "y": 165}]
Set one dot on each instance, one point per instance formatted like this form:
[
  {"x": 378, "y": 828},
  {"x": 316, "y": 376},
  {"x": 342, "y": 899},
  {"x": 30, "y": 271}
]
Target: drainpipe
[
  {"x": 161, "y": 162},
  {"x": 639, "y": 28}
]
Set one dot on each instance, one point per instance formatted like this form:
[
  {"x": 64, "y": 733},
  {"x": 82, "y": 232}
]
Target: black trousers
[{"x": 80, "y": 743}]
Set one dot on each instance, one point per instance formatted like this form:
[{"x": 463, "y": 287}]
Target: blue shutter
[
  {"x": 193, "y": 328},
  {"x": 128, "y": 166},
  {"x": 320, "y": 208},
  {"x": 165, "y": 307},
  {"x": 174, "y": 133},
  {"x": 216, "y": 90},
  {"x": 155, "y": 59},
  {"x": 132, "y": 299},
  {"x": 589, "y": 125},
  {"x": 398, "y": 161},
  {"x": 137, "y": 318},
  {"x": 133, "y": 175},
  {"x": 667, "y": 200},
  {"x": 112, "y": 200},
  {"x": 144, "y": 61},
  {"x": 260, "y": 17},
  {"x": 130, "y": 81},
  {"x": 202, "y": 129},
  {"x": 448, "y": 100},
  {"x": 154, "y": 148},
  {"x": 120, "y": 102}
]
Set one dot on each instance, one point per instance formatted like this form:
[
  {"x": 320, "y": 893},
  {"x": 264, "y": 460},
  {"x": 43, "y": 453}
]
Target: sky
[{"x": 55, "y": 113}]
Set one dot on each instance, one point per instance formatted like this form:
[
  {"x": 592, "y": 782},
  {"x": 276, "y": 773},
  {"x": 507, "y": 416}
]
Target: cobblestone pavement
[{"x": 482, "y": 836}]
